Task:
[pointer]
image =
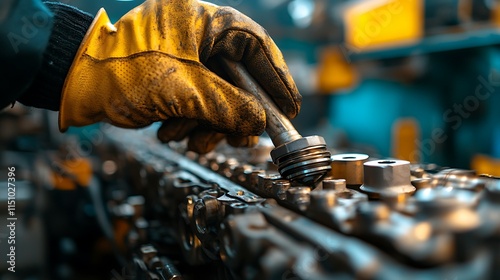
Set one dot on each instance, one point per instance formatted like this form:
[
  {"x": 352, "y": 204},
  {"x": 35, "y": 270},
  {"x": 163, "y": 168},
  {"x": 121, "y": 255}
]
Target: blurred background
[{"x": 412, "y": 79}]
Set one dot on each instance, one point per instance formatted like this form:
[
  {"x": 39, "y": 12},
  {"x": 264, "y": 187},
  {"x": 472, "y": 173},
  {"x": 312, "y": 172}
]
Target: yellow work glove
[{"x": 159, "y": 63}]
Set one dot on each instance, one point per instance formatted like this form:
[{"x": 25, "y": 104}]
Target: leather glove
[{"x": 159, "y": 62}]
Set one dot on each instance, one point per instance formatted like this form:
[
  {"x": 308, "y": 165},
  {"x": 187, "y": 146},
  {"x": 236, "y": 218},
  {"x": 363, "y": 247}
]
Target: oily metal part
[
  {"x": 331, "y": 231},
  {"x": 349, "y": 167},
  {"x": 387, "y": 176},
  {"x": 305, "y": 160},
  {"x": 185, "y": 164}
]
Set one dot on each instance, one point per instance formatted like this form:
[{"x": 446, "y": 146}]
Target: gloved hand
[{"x": 159, "y": 63}]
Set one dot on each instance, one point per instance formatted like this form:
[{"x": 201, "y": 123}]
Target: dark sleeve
[
  {"x": 25, "y": 27},
  {"x": 39, "y": 80},
  {"x": 69, "y": 27}
]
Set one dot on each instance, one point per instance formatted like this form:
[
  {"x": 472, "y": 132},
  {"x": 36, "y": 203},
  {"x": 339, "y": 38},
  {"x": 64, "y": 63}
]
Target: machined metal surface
[
  {"x": 349, "y": 167},
  {"x": 305, "y": 160},
  {"x": 233, "y": 220},
  {"x": 387, "y": 176}
]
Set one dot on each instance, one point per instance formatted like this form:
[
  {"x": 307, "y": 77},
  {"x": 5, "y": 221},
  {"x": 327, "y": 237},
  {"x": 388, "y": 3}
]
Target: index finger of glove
[{"x": 237, "y": 37}]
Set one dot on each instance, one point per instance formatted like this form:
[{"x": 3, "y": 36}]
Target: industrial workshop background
[{"x": 409, "y": 80}]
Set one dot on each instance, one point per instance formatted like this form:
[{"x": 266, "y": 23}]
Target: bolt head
[{"x": 387, "y": 176}]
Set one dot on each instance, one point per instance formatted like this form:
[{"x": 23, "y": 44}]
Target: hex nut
[
  {"x": 387, "y": 176},
  {"x": 334, "y": 184},
  {"x": 279, "y": 188},
  {"x": 265, "y": 182},
  {"x": 296, "y": 145},
  {"x": 300, "y": 196},
  {"x": 323, "y": 200},
  {"x": 304, "y": 161},
  {"x": 371, "y": 213}
]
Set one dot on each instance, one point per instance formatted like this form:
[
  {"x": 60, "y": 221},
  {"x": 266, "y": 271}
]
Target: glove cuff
[{"x": 70, "y": 26}]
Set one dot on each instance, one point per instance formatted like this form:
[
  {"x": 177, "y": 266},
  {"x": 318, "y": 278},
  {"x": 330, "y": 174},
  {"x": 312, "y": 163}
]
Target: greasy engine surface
[{"x": 229, "y": 215}]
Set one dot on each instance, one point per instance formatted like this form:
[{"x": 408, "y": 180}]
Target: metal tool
[{"x": 304, "y": 160}]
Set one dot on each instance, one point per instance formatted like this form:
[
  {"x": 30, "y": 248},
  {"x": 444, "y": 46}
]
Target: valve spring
[{"x": 305, "y": 166}]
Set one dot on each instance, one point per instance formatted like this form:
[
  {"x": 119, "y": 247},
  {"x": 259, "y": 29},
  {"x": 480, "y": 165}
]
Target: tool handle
[{"x": 278, "y": 126}]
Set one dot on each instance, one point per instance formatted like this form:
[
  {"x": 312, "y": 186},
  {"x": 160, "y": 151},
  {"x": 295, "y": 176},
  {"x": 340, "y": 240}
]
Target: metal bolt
[
  {"x": 169, "y": 271},
  {"x": 458, "y": 178},
  {"x": 215, "y": 163},
  {"x": 206, "y": 213},
  {"x": 422, "y": 183},
  {"x": 299, "y": 196},
  {"x": 439, "y": 201},
  {"x": 253, "y": 177},
  {"x": 349, "y": 167},
  {"x": 335, "y": 184},
  {"x": 148, "y": 252},
  {"x": 190, "y": 202},
  {"x": 387, "y": 176},
  {"x": 323, "y": 200},
  {"x": 394, "y": 200},
  {"x": 417, "y": 171},
  {"x": 227, "y": 167},
  {"x": 240, "y": 174},
  {"x": 265, "y": 182},
  {"x": 236, "y": 208},
  {"x": 279, "y": 188},
  {"x": 373, "y": 212}
]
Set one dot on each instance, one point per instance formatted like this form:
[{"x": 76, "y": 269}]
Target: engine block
[{"x": 229, "y": 215}]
